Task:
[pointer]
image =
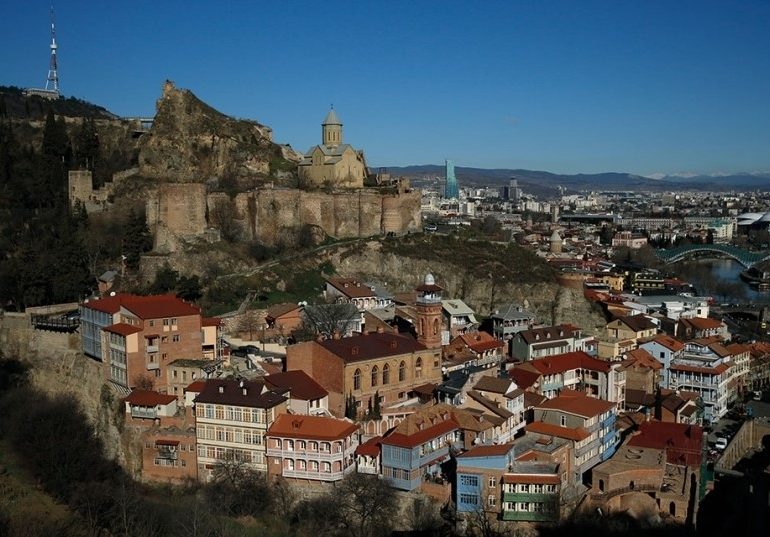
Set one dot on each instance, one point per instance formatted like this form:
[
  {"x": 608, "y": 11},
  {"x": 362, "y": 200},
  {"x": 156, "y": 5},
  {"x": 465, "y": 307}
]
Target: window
[
  {"x": 469, "y": 499},
  {"x": 385, "y": 374},
  {"x": 375, "y": 374},
  {"x": 165, "y": 322},
  {"x": 418, "y": 367},
  {"x": 152, "y": 322},
  {"x": 492, "y": 482},
  {"x": 402, "y": 372},
  {"x": 469, "y": 480},
  {"x": 173, "y": 321},
  {"x": 357, "y": 379},
  {"x": 491, "y": 501},
  {"x": 175, "y": 338}
]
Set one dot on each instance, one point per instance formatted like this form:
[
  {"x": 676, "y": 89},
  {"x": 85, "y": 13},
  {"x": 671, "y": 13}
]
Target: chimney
[
  {"x": 245, "y": 391},
  {"x": 221, "y": 388}
]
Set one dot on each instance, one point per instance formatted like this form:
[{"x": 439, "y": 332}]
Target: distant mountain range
[{"x": 546, "y": 183}]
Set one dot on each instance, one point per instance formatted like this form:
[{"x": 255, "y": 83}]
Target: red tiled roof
[
  {"x": 277, "y": 310},
  {"x": 669, "y": 342},
  {"x": 523, "y": 377},
  {"x": 372, "y": 345},
  {"x": 699, "y": 323},
  {"x": 480, "y": 341},
  {"x": 149, "y": 398},
  {"x": 311, "y": 427},
  {"x": 231, "y": 392},
  {"x": 420, "y": 437},
  {"x": 487, "y": 451},
  {"x": 123, "y": 329},
  {"x": 577, "y": 403},
  {"x": 211, "y": 321},
  {"x": 196, "y": 387},
  {"x": 641, "y": 357},
  {"x": 718, "y": 370},
  {"x": 302, "y": 386},
  {"x": 560, "y": 363},
  {"x": 351, "y": 288},
  {"x": 681, "y": 441},
  {"x": 576, "y": 434},
  {"x": 545, "y": 479},
  {"x": 548, "y": 333},
  {"x": 145, "y": 307},
  {"x": 371, "y": 447},
  {"x": 637, "y": 323}
]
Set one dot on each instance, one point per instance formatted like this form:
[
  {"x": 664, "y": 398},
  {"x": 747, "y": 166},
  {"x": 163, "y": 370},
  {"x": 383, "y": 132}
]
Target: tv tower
[{"x": 52, "y": 84}]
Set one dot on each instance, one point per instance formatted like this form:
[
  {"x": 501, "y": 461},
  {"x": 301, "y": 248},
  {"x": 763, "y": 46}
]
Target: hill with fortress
[{"x": 207, "y": 176}]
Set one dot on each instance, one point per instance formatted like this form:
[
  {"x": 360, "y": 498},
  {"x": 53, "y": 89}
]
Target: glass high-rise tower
[{"x": 450, "y": 189}]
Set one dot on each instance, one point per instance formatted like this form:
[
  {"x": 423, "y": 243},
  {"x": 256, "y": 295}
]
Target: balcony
[
  {"x": 144, "y": 413},
  {"x": 169, "y": 454},
  {"x": 530, "y": 516},
  {"x": 152, "y": 366},
  {"x": 152, "y": 348},
  {"x": 316, "y": 475},
  {"x": 307, "y": 454}
]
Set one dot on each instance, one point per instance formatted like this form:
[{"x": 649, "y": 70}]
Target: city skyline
[{"x": 558, "y": 86}]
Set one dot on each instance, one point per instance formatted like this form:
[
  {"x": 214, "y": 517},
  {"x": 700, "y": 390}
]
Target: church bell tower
[{"x": 331, "y": 130}]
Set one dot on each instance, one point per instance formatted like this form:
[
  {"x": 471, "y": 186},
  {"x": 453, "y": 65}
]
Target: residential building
[
  {"x": 284, "y": 318},
  {"x": 633, "y": 327},
  {"x": 664, "y": 349},
  {"x": 311, "y": 448},
  {"x": 169, "y": 455},
  {"x": 306, "y": 396},
  {"x": 479, "y": 477},
  {"x": 473, "y": 349},
  {"x": 362, "y": 296},
  {"x": 388, "y": 366},
  {"x": 576, "y": 371},
  {"x": 626, "y": 239},
  {"x": 369, "y": 456},
  {"x": 459, "y": 318},
  {"x": 531, "y": 492},
  {"x": 232, "y": 419},
  {"x": 704, "y": 368},
  {"x": 643, "y": 371},
  {"x": 509, "y": 319},
  {"x": 147, "y": 408},
  {"x": 418, "y": 446},
  {"x": 547, "y": 341},
  {"x": 697, "y": 327},
  {"x": 588, "y": 422},
  {"x": 136, "y": 337},
  {"x": 182, "y": 372}
]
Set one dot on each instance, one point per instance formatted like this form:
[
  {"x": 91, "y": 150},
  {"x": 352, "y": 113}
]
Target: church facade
[{"x": 332, "y": 163}]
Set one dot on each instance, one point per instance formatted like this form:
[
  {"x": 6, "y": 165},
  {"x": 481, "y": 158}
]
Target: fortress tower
[{"x": 428, "y": 306}]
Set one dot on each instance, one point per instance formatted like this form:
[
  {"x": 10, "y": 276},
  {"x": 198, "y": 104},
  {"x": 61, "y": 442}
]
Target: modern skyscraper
[{"x": 450, "y": 189}]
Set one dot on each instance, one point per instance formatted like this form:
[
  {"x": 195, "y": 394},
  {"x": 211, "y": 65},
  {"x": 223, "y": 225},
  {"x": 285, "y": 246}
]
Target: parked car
[
  {"x": 721, "y": 443},
  {"x": 240, "y": 351},
  {"x": 251, "y": 349}
]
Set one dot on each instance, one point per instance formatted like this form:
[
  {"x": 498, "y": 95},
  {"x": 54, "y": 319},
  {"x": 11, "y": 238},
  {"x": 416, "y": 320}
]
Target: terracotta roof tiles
[{"x": 311, "y": 427}]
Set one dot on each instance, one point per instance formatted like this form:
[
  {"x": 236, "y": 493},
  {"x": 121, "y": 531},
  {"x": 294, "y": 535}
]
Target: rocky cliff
[{"x": 190, "y": 142}]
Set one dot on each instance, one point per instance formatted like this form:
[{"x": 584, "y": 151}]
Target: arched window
[
  {"x": 402, "y": 372},
  {"x": 418, "y": 367},
  {"x": 375, "y": 374},
  {"x": 435, "y": 327},
  {"x": 357, "y": 379},
  {"x": 385, "y": 374}
]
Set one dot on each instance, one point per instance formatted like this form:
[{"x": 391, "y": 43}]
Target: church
[{"x": 332, "y": 163}]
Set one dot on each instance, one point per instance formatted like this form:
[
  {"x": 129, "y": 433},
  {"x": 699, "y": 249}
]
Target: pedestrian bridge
[{"x": 744, "y": 257}]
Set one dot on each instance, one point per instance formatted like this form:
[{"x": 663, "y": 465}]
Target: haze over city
[{"x": 651, "y": 88}]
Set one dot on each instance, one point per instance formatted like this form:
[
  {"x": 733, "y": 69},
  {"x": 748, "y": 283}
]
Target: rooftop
[
  {"x": 577, "y": 403},
  {"x": 370, "y": 346},
  {"x": 245, "y": 393},
  {"x": 301, "y": 385},
  {"x": 312, "y": 427},
  {"x": 144, "y": 307},
  {"x": 149, "y": 398}
]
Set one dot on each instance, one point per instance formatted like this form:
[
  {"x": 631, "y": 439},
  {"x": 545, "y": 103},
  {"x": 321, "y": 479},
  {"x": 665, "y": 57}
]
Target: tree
[
  {"x": 237, "y": 488},
  {"x": 368, "y": 505},
  {"x": 166, "y": 280},
  {"x": 189, "y": 288},
  {"x": 250, "y": 321},
  {"x": 137, "y": 239},
  {"x": 327, "y": 320}
]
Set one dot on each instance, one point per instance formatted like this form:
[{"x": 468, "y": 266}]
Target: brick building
[
  {"x": 311, "y": 448},
  {"x": 232, "y": 419},
  {"x": 383, "y": 364},
  {"x": 169, "y": 455}
]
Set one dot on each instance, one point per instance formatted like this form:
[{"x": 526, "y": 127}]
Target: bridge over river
[{"x": 744, "y": 257}]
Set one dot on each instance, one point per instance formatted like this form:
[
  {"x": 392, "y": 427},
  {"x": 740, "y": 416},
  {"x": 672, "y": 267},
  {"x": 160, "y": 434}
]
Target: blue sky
[{"x": 566, "y": 86}]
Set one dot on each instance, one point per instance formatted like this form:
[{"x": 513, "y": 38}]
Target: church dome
[{"x": 331, "y": 118}]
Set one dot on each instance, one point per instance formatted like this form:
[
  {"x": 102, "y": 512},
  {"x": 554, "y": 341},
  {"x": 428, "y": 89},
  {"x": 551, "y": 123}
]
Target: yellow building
[{"x": 332, "y": 163}]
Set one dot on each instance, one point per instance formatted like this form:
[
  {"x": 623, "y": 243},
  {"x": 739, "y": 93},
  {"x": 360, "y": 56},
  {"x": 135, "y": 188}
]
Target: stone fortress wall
[
  {"x": 81, "y": 188},
  {"x": 179, "y": 212}
]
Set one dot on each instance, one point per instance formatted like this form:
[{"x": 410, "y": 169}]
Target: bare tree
[
  {"x": 326, "y": 320},
  {"x": 368, "y": 505},
  {"x": 251, "y": 321}
]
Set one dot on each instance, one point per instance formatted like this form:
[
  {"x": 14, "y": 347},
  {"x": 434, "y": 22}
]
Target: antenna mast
[{"x": 52, "y": 84}]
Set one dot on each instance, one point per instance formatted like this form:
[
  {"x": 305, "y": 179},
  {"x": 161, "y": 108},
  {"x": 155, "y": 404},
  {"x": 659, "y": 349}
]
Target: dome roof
[
  {"x": 429, "y": 279},
  {"x": 331, "y": 118}
]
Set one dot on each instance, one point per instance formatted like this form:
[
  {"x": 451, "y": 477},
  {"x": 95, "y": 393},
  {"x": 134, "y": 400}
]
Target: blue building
[
  {"x": 479, "y": 478},
  {"x": 451, "y": 191},
  {"x": 418, "y": 446}
]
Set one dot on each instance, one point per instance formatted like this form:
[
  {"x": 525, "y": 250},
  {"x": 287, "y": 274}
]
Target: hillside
[
  {"x": 545, "y": 183},
  {"x": 15, "y": 105}
]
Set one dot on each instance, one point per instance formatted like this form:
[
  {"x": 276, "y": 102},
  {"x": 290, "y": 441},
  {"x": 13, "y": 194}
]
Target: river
[{"x": 706, "y": 274}]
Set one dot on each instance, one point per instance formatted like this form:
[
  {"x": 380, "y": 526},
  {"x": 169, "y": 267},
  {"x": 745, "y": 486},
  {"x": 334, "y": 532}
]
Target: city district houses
[{"x": 528, "y": 426}]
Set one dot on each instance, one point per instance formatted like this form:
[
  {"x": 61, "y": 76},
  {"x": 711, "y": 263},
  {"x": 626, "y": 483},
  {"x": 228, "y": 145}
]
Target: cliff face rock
[
  {"x": 190, "y": 142},
  {"x": 551, "y": 303}
]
